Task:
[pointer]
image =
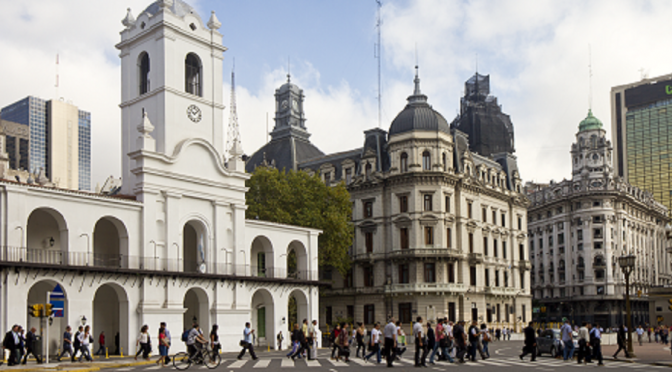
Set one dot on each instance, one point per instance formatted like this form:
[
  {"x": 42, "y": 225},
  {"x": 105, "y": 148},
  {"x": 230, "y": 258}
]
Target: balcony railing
[
  {"x": 120, "y": 261},
  {"x": 428, "y": 287}
]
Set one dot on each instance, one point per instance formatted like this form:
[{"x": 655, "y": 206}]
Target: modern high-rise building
[
  {"x": 57, "y": 140},
  {"x": 641, "y": 128}
]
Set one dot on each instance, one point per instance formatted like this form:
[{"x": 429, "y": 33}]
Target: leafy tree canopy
[{"x": 296, "y": 198}]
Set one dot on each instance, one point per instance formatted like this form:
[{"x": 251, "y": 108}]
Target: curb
[{"x": 98, "y": 367}]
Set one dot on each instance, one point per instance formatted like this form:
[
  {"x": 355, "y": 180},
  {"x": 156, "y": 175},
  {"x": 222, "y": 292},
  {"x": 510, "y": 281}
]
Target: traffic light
[
  {"x": 670, "y": 301},
  {"x": 35, "y": 310},
  {"x": 47, "y": 309}
]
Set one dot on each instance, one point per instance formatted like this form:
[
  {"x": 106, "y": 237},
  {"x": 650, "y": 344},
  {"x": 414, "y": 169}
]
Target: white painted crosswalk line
[
  {"x": 152, "y": 368},
  {"x": 313, "y": 363},
  {"x": 237, "y": 364},
  {"x": 338, "y": 363},
  {"x": 360, "y": 362},
  {"x": 262, "y": 363},
  {"x": 286, "y": 362}
]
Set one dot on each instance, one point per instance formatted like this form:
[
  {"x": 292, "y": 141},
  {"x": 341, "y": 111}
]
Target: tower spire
[
  {"x": 590, "y": 79},
  {"x": 233, "y": 146}
]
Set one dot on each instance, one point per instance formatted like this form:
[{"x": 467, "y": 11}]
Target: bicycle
[{"x": 205, "y": 355}]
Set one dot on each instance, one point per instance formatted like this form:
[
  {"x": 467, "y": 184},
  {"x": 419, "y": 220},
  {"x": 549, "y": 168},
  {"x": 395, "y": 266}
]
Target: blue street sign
[
  {"x": 57, "y": 292},
  {"x": 57, "y": 308}
]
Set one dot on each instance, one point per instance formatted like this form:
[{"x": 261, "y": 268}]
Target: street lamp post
[{"x": 627, "y": 264}]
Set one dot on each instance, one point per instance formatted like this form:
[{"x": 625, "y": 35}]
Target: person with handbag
[
  {"x": 343, "y": 343},
  {"x": 214, "y": 339},
  {"x": 143, "y": 343},
  {"x": 163, "y": 347},
  {"x": 85, "y": 339},
  {"x": 246, "y": 342}
]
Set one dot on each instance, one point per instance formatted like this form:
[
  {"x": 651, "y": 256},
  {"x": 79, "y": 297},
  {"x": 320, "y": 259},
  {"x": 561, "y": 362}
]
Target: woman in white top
[
  {"x": 143, "y": 341},
  {"x": 85, "y": 339}
]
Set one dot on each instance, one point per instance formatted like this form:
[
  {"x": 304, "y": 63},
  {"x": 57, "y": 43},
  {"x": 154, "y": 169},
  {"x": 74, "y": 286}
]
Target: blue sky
[{"x": 536, "y": 52}]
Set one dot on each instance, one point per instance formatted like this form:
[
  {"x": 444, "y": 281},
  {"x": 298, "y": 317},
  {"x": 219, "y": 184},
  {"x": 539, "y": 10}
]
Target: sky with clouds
[{"x": 536, "y": 53}]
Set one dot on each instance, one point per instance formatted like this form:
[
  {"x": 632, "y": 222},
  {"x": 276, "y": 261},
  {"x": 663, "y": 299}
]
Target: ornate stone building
[
  {"x": 439, "y": 230},
  {"x": 579, "y": 227}
]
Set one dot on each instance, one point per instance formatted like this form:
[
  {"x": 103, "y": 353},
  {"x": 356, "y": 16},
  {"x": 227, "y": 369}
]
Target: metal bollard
[
  {"x": 107, "y": 356},
  {"x": 121, "y": 351}
]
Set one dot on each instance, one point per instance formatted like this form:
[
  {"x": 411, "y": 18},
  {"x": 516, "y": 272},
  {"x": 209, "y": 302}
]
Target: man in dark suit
[
  {"x": 30, "y": 346},
  {"x": 11, "y": 343},
  {"x": 530, "y": 343}
]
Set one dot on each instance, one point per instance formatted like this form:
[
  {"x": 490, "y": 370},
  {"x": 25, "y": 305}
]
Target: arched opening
[
  {"x": 192, "y": 74},
  {"x": 46, "y": 238},
  {"x": 110, "y": 315},
  {"x": 143, "y": 73},
  {"x": 263, "y": 317},
  {"x": 426, "y": 161},
  {"x": 297, "y": 261},
  {"x": 403, "y": 162},
  {"x": 261, "y": 257},
  {"x": 37, "y": 294},
  {"x": 110, "y": 243},
  {"x": 194, "y": 247},
  {"x": 196, "y": 309},
  {"x": 297, "y": 309}
]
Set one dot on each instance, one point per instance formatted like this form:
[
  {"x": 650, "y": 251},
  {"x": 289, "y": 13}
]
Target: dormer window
[
  {"x": 348, "y": 176},
  {"x": 426, "y": 161},
  {"x": 367, "y": 169},
  {"x": 327, "y": 177},
  {"x": 403, "y": 162},
  {"x": 143, "y": 70},
  {"x": 192, "y": 75}
]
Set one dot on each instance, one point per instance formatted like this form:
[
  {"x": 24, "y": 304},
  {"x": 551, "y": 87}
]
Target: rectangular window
[
  {"x": 403, "y": 274},
  {"x": 484, "y": 215},
  {"x": 348, "y": 176},
  {"x": 428, "y": 203},
  {"x": 496, "y": 278},
  {"x": 494, "y": 248},
  {"x": 328, "y": 316},
  {"x": 451, "y": 272},
  {"x": 494, "y": 217},
  {"x": 506, "y": 279},
  {"x": 430, "y": 272},
  {"x": 472, "y": 275},
  {"x": 485, "y": 246},
  {"x": 350, "y": 310},
  {"x": 520, "y": 223},
  {"x": 327, "y": 178},
  {"x": 403, "y": 204},
  {"x": 499, "y": 314},
  {"x": 452, "y": 312},
  {"x": 503, "y": 220},
  {"x": 579, "y": 234},
  {"x": 368, "y": 276},
  {"x": 429, "y": 235},
  {"x": 368, "y": 209},
  {"x": 474, "y": 311},
  {"x": 506, "y": 312},
  {"x": 524, "y": 315},
  {"x": 471, "y": 243},
  {"x": 487, "y": 277},
  {"x": 347, "y": 281},
  {"x": 369, "y": 311},
  {"x": 403, "y": 238},
  {"x": 522, "y": 280},
  {"x": 405, "y": 311},
  {"x": 561, "y": 238},
  {"x": 469, "y": 211},
  {"x": 449, "y": 238},
  {"x": 521, "y": 251},
  {"x": 447, "y": 204},
  {"x": 504, "y": 250},
  {"x": 368, "y": 241}
]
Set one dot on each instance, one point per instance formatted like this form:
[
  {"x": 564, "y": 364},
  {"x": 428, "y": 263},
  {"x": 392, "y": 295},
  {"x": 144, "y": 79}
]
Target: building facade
[
  {"x": 579, "y": 227},
  {"x": 440, "y": 231},
  {"x": 641, "y": 128},
  {"x": 58, "y": 141},
  {"x": 174, "y": 246}
]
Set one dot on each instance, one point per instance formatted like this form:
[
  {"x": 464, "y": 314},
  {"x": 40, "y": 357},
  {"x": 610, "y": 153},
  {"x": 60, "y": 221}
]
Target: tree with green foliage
[{"x": 296, "y": 198}]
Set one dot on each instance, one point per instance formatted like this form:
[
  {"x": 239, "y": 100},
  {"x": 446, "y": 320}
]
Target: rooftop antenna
[
  {"x": 289, "y": 66},
  {"x": 233, "y": 135},
  {"x": 590, "y": 79},
  {"x": 477, "y": 64},
  {"x": 56, "y": 85},
  {"x": 377, "y": 56}
]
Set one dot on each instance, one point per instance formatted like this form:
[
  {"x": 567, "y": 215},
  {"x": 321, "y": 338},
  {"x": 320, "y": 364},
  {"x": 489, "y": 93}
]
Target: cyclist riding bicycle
[{"x": 195, "y": 340}]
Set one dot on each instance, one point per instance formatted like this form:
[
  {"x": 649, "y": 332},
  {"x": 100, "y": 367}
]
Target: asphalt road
[{"x": 504, "y": 355}]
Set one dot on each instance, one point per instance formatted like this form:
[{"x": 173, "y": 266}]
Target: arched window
[
  {"x": 426, "y": 161},
  {"x": 143, "y": 72},
  {"x": 192, "y": 74},
  {"x": 403, "y": 162}
]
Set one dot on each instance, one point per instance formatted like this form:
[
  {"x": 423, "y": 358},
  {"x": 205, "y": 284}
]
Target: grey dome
[
  {"x": 179, "y": 8},
  {"x": 418, "y": 115}
]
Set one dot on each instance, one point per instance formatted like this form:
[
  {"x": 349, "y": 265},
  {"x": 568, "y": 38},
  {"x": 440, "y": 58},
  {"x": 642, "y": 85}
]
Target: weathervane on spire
[{"x": 289, "y": 73}]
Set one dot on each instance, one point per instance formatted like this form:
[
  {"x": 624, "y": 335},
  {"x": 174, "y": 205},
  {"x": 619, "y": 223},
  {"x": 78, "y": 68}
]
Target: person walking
[
  {"x": 300, "y": 340},
  {"x": 101, "y": 342},
  {"x": 439, "y": 337},
  {"x": 530, "y": 343},
  {"x": 448, "y": 341},
  {"x": 596, "y": 343},
  {"x": 474, "y": 336},
  {"x": 390, "y": 334},
  {"x": 143, "y": 342},
  {"x": 214, "y": 339},
  {"x": 334, "y": 336},
  {"x": 30, "y": 346},
  {"x": 279, "y": 338},
  {"x": 67, "y": 343},
  {"x": 246, "y": 343},
  {"x": 163, "y": 346},
  {"x": 620, "y": 340},
  {"x": 420, "y": 343},
  {"x": 460, "y": 338},
  {"x": 343, "y": 343},
  {"x": 359, "y": 338},
  {"x": 169, "y": 340},
  {"x": 374, "y": 343},
  {"x": 485, "y": 341},
  {"x": 401, "y": 341},
  {"x": 76, "y": 342},
  {"x": 85, "y": 339},
  {"x": 584, "y": 344},
  {"x": 567, "y": 340},
  {"x": 294, "y": 343},
  {"x": 11, "y": 342},
  {"x": 311, "y": 342},
  {"x": 640, "y": 334},
  {"x": 22, "y": 344}
]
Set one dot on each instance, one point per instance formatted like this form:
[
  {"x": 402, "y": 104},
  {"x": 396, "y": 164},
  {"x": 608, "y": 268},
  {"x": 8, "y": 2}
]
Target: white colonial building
[
  {"x": 579, "y": 227},
  {"x": 173, "y": 243}
]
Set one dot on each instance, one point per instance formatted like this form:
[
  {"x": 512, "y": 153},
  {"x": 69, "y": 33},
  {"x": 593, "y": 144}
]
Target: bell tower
[
  {"x": 171, "y": 73},
  {"x": 290, "y": 119},
  {"x": 592, "y": 153}
]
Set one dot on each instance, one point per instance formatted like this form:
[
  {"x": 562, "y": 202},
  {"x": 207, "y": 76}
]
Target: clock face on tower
[
  {"x": 295, "y": 105},
  {"x": 194, "y": 113},
  {"x": 284, "y": 105}
]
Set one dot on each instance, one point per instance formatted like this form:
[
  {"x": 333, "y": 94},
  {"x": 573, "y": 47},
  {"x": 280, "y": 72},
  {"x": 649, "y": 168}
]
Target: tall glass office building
[
  {"x": 642, "y": 132},
  {"x": 35, "y": 113}
]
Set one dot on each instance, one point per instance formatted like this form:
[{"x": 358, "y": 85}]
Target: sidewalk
[
  {"x": 65, "y": 366},
  {"x": 650, "y": 353}
]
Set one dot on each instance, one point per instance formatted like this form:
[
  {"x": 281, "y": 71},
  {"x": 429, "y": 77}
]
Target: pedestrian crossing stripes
[{"x": 513, "y": 363}]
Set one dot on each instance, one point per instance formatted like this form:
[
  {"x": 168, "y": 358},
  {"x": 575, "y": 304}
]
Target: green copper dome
[{"x": 590, "y": 122}]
